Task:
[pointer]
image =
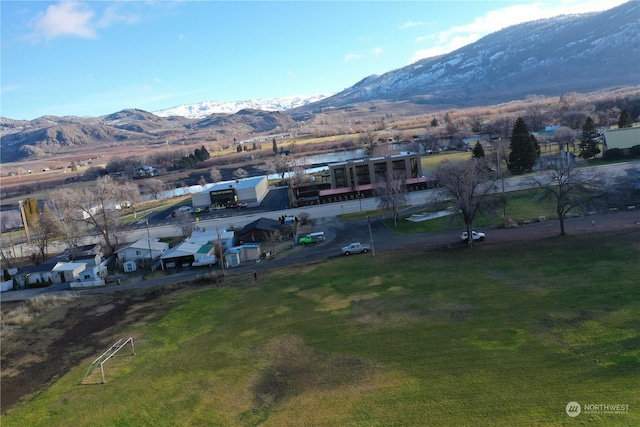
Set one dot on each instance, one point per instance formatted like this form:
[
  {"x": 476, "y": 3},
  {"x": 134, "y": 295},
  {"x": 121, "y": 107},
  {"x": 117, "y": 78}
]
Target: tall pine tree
[
  {"x": 588, "y": 140},
  {"x": 625, "y": 120},
  {"x": 524, "y": 148},
  {"x": 478, "y": 151}
]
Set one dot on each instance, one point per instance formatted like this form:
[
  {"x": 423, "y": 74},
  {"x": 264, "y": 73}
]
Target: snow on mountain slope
[{"x": 204, "y": 109}]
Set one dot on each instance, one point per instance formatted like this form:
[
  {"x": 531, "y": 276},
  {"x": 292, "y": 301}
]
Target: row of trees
[
  {"x": 69, "y": 214},
  {"x": 473, "y": 189}
]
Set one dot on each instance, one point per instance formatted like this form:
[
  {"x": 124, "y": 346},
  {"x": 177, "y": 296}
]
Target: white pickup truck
[{"x": 356, "y": 248}]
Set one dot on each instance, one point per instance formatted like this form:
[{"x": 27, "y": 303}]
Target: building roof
[
  {"x": 237, "y": 184},
  {"x": 184, "y": 249},
  {"x": 144, "y": 243},
  {"x": 205, "y": 236},
  {"x": 621, "y": 138},
  {"x": 69, "y": 266},
  {"x": 265, "y": 224}
]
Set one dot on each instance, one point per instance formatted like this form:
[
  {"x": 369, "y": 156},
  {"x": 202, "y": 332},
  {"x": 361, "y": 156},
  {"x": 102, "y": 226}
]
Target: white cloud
[
  {"x": 458, "y": 36},
  {"x": 76, "y": 19},
  {"x": 66, "y": 19},
  {"x": 412, "y": 24},
  {"x": 111, "y": 16},
  {"x": 377, "y": 51},
  {"x": 9, "y": 88},
  {"x": 353, "y": 57}
]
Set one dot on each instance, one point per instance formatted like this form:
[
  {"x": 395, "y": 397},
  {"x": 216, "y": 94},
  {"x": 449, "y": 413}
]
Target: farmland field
[{"x": 503, "y": 335}]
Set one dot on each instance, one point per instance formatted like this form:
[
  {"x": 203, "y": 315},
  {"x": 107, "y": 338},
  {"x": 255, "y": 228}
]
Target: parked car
[
  {"x": 205, "y": 261},
  {"x": 475, "y": 235}
]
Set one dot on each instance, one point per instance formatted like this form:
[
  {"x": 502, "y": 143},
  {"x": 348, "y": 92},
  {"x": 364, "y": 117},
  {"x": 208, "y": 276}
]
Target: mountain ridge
[{"x": 570, "y": 53}]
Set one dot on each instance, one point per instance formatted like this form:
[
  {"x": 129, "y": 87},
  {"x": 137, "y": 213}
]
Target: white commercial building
[{"x": 232, "y": 193}]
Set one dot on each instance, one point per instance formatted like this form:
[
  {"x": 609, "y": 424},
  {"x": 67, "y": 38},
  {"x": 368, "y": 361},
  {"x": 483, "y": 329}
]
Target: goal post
[{"x": 122, "y": 345}]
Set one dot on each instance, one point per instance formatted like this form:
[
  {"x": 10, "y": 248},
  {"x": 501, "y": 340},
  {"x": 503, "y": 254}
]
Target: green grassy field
[
  {"x": 521, "y": 206},
  {"x": 497, "y": 336}
]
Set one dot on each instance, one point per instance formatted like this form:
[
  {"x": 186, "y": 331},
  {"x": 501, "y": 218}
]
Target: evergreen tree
[
  {"x": 275, "y": 146},
  {"x": 478, "y": 151},
  {"x": 588, "y": 140},
  {"x": 434, "y": 123},
  {"x": 625, "y": 120},
  {"x": 524, "y": 148},
  {"x": 204, "y": 153}
]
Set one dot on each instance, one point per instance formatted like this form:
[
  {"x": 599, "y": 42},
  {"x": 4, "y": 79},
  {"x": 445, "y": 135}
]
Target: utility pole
[
  {"x": 373, "y": 251},
  {"x": 221, "y": 253},
  {"x": 23, "y": 215},
  {"x": 146, "y": 221}
]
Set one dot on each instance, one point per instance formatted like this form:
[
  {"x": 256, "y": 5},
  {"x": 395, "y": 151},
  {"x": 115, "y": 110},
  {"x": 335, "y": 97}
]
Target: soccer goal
[{"x": 122, "y": 347}]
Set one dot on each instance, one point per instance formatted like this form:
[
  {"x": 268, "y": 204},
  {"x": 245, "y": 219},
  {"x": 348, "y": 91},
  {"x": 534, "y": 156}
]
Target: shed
[
  {"x": 68, "y": 271},
  {"x": 236, "y": 255}
]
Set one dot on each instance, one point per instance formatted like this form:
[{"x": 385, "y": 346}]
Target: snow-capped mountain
[
  {"x": 579, "y": 53},
  {"x": 204, "y": 109}
]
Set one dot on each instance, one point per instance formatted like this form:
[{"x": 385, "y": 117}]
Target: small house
[
  {"x": 35, "y": 275},
  {"x": 261, "y": 229},
  {"x": 148, "y": 248}
]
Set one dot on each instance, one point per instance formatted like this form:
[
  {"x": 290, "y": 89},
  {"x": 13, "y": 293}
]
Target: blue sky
[{"x": 95, "y": 58}]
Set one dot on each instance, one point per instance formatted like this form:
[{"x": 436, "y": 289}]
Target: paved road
[{"x": 340, "y": 234}]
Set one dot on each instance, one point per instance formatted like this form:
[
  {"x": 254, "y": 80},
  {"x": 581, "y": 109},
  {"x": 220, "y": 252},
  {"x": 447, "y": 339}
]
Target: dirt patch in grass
[
  {"x": 52, "y": 342},
  {"x": 290, "y": 367}
]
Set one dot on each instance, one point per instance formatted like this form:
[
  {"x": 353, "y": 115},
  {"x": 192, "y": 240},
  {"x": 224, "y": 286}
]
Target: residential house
[
  {"x": 226, "y": 238},
  {"x": 129, "y": 256},
  {"x": 35, "y": 275},
  {"x": 260, "y": 230}
]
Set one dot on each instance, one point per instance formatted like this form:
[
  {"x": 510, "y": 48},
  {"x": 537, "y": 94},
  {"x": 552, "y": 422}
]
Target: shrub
[
  {"x": 613, "y": 154},
  {"x": 634, "y": 151}
]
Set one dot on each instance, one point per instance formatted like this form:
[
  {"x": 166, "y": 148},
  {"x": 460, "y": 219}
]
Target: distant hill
[
  {"x": 576, "y": 53},
  {"x": 50, "y": 135}
]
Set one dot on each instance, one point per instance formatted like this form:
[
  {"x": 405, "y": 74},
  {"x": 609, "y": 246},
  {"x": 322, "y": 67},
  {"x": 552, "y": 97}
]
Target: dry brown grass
[{"x": 29, "y": 310}]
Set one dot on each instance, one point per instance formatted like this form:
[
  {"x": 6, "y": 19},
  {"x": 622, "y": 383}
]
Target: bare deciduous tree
[
  {"x": 63, "y": 206},
  {"x": 240, "y": 173},
  {"x": 185, "y": 223},
  {"x": 391, "y": 192},
  {"x": 569, "y": 186},
  {"x": 154, "y": 187},
  {"x": 98, "y": 206},
  {"x": 272, "y": 238},
  {"x": 216, "y": 175},
  {"x": 467, "y": 183},
  {"x": 43, "y": 231}
]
